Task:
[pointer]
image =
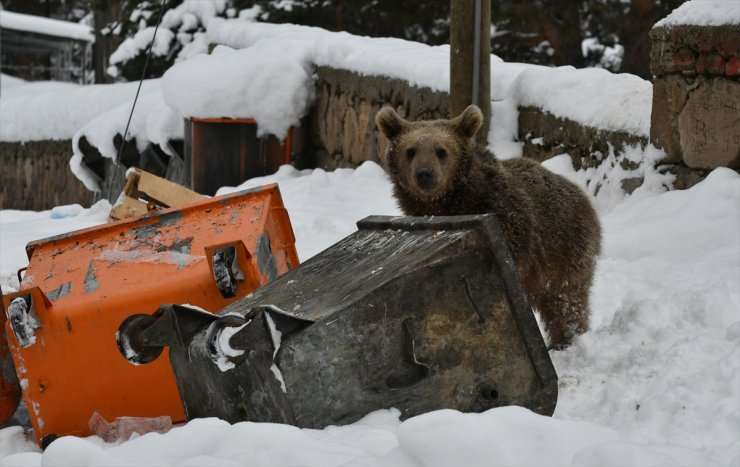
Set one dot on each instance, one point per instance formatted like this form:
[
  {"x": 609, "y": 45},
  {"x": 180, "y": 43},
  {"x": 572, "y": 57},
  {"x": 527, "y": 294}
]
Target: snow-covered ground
[{"x": 655, "y": 382}]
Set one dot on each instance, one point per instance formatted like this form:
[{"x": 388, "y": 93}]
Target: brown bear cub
[{"x": 549, "y": 224}]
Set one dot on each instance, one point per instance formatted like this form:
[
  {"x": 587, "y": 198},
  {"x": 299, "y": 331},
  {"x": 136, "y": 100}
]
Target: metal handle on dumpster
[
  {"x": 141, "y": 338},
  {"x": 218, "y": 341},
  {"x": 232, "y": 339},
  {"x": 416, "y": 371},
  {"x": 228, "y": 262}
]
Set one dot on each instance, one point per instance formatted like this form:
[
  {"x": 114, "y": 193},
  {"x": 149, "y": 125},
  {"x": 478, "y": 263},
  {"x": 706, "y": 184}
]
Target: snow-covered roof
[
  {"x": 47, "y": 26},
  {"x": 703, "y": 13}
]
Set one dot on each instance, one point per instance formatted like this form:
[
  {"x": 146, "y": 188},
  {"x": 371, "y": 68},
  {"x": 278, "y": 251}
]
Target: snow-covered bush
[{"x": 180, "y": 35}]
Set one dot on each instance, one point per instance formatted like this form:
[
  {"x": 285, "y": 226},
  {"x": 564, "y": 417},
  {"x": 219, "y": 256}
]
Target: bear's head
[{"x": 426, "y": 158}]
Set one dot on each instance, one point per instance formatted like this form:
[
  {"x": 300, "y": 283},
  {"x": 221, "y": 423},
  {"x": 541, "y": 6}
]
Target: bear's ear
[
  {"x": 390, "y": 123},
  {"x": 468, "y": 122}
]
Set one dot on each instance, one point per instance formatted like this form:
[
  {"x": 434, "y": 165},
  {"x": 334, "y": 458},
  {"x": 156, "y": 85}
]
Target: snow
[
  {"x": 593, "y": 97},
  {"x": 266, "y": 72},
  {"x": 180, "y": 23},
  {"x": 419, "y": 64},
  {"x": 132, "y": 46},
  {"x": 17, "y": 228},
  {"x": 54, "y": 110},
  {"x": 152, "y": 122},
  {"x": 48, "y": 26},
  {"x": 7, "y": 81},
  {"x": 224, "y": 351},
  {"x": 276, "y": 337},
  {"x": 703, "y": 13},
  {"x": 655, "y": 382},
  {"x": 272, "y": 84}
]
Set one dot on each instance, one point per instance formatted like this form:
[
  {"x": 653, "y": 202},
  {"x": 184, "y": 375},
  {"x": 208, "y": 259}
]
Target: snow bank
[
  {"x": 153, "y": 122},
  {"x": 703, "y": 13},
  {"x": 418, "y": 64},
  {"x": 270, "y": 79},
  {"x": 7, "y": 81},
  {"x": 662, "y": 362},
  {"x": 48, "y": 26},
  {"x": 41, "y": 110},
  {"x": 325, "y": 206},
  {"x": 17, "y": 228},
  {"x": 592, "y": 97},
  {"x": 272, "y": 84},
  {"x": 655, "y": 382},
  {"x": 509, "y": 436},
  {"x": 54, "y": 110}
]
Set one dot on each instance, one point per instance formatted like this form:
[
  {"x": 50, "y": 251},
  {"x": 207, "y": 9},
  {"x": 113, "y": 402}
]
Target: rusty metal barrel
[{"x": 414, "y": 313}]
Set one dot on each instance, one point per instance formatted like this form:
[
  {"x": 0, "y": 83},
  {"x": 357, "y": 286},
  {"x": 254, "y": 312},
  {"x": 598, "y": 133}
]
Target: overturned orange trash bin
[{"x": 79, "y": 287}]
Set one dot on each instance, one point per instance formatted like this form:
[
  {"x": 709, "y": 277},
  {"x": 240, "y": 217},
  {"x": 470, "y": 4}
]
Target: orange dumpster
[
  {"x": 10, "y": 389},
  {"x": 79, "y": 288}
]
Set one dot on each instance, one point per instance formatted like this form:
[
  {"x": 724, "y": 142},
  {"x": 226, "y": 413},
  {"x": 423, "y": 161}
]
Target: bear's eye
[
  {"x": 441, "y": 153},
  {"x": 410, "y": 152}
]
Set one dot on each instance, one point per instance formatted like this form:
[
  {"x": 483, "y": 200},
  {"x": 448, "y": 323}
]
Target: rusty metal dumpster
[
  {"x": 80, "y": 286},
  {"x": 414, "y": 313}
]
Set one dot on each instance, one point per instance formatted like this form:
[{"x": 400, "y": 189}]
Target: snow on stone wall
[
  {"x": 703, "y": 13},
  {"x": 266, "y": 71}
]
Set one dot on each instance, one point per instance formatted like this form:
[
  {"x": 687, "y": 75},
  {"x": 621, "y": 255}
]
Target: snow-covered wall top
[
  {"x": 265, "y": 71},
  {"x": 703, "y": 13},
  {"x": 47, "y": 26},
  {"x": 54, "y": 110},
  {"x": 265, "y": 79},
  {"x": 419, "y": 64}
]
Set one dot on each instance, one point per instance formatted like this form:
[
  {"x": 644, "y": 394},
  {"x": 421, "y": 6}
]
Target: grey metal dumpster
[{"x": 414, "y": 313}]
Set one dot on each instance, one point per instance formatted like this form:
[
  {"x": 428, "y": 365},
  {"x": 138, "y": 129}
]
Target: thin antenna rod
[{"x": 141, "y": 80}]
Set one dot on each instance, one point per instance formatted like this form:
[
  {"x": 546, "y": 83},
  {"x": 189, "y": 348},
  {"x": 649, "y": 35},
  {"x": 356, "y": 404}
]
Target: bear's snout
[{"x": 425, "y": 178}]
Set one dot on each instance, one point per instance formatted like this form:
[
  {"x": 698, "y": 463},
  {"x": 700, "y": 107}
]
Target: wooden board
[{"x": 144, "y": 192}]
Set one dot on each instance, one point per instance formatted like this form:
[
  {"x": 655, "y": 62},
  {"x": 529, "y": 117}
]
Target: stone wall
[
  {"x": 35, "y": 175},
  {"x": 696, "y": 94},
  {"x": 343, "y": 132},
  {"x": 545, "y": 135}
]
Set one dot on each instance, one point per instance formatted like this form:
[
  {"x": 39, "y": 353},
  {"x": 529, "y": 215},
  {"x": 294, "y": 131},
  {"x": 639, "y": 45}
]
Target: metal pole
[{"x": 476, "y": 54}]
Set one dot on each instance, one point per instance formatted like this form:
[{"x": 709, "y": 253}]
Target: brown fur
[{"x": 549, "y": 224}]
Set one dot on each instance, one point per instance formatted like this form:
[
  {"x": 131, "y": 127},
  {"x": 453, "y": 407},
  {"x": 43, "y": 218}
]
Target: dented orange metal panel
[{"x": 80, "y": 286}]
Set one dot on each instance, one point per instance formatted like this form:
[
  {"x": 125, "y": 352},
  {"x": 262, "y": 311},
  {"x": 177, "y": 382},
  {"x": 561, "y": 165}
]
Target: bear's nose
[{"x": 425, "y": 177}]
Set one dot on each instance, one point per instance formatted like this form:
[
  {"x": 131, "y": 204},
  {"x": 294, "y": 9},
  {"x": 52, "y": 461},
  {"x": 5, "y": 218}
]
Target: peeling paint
[
  {"x": 91, "y": 282},
  {"x": 265, "y": 260},
  {"x": 178, "y": 245},
  {"x": 62, "y": 291},
  {"x": 178, "y": 258}
]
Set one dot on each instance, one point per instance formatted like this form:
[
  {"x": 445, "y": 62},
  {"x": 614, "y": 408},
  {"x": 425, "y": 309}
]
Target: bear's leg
[{"x": 565, "y": 312}]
